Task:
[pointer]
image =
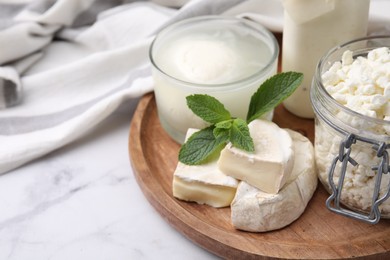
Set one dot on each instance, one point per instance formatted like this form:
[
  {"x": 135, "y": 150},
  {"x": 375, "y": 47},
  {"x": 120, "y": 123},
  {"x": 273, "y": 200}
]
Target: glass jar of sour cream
[
  {"x": 227, "y": 58},
  {"x": 350, "y": 95}
]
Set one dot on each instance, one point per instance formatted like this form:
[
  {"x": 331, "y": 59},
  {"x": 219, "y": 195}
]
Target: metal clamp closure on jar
[{"x": 333, "y": 202}]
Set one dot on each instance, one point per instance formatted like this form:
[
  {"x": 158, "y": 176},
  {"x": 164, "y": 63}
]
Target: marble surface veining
[{"x": 83, "y": 202}]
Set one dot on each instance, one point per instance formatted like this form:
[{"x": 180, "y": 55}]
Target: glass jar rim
[
  {"x": 242, "y": 22},
  {"x": 318, "y": 79}
]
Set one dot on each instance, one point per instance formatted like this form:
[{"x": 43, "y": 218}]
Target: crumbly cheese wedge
[
  {"x": 204, "y": 184},
  {"x": 269, "y": 166},
  {"x": 257, "y": 211}
]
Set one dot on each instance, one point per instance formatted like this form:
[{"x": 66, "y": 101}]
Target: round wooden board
[{"x": 317, "y": 234}]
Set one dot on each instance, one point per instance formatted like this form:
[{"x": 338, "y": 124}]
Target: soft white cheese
[
  {"x": 363, "y": 85},
  {"x": 269, "y": 166},
  {"x": 204, "y": 184},
  {"x": 258, "y": 211}
]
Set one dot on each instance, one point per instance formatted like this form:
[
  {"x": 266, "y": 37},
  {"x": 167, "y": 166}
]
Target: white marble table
[{"x": 83, "y": 202}]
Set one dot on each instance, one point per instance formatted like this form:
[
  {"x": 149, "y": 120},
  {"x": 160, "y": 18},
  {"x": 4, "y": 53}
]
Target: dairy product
[
  {"x": 209, "y": 60},
  {"x": 362, "y": 85},
  {"x": 269, "y": 166},
  {"x": 310, "y": 29},
  {"x": 258, "y": 211},
  {"x": 191, "y": 54},
  {"x": 223, "y": 57},
  {"x": 204, "y": 184}
]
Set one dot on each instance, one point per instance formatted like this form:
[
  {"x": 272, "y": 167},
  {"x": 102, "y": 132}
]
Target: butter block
[
  {"x": 257, "y": 211},
  {"x": 204, "y": 184},
  {"x": 269, "y": 166}
]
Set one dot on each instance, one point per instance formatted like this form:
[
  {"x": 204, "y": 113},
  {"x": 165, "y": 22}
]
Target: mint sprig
[
  {"x": 200, "y": 146},
  {"x": 224, "y": 128}
]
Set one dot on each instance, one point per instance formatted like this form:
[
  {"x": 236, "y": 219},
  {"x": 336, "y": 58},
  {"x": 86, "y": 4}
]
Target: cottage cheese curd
[{"x": 361, "y": 84}]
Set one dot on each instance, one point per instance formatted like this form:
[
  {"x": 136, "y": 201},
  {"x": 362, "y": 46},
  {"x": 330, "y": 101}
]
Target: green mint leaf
[
  {"x": 201, "y": 146},
  {"x": 222, "y": 129},
  {"x": 240, "y": 136},
  {"x": 222, "y": 133},
  {"x": 272, "y": 92},
  {"x": 224, "y": 124},
  {"x": 208, "y": 108}
]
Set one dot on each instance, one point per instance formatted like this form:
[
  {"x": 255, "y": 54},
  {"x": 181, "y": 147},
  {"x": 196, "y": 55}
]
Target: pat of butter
[
  {"x": 204, "y": 184},
  {"x": 269, "y": 166}
]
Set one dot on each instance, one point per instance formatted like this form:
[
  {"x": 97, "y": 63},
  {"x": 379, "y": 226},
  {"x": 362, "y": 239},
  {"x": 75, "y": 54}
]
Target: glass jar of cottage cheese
[
  {"x": 350, "y": 96},
  {"x": 224, "y": 57}
]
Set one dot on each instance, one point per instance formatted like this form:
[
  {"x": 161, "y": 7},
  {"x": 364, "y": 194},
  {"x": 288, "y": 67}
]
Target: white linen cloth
[{"x": 79, "y": 60}]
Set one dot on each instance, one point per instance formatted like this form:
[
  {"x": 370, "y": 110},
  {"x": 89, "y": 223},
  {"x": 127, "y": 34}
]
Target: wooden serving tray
[{"x": 317, "y": 234}]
